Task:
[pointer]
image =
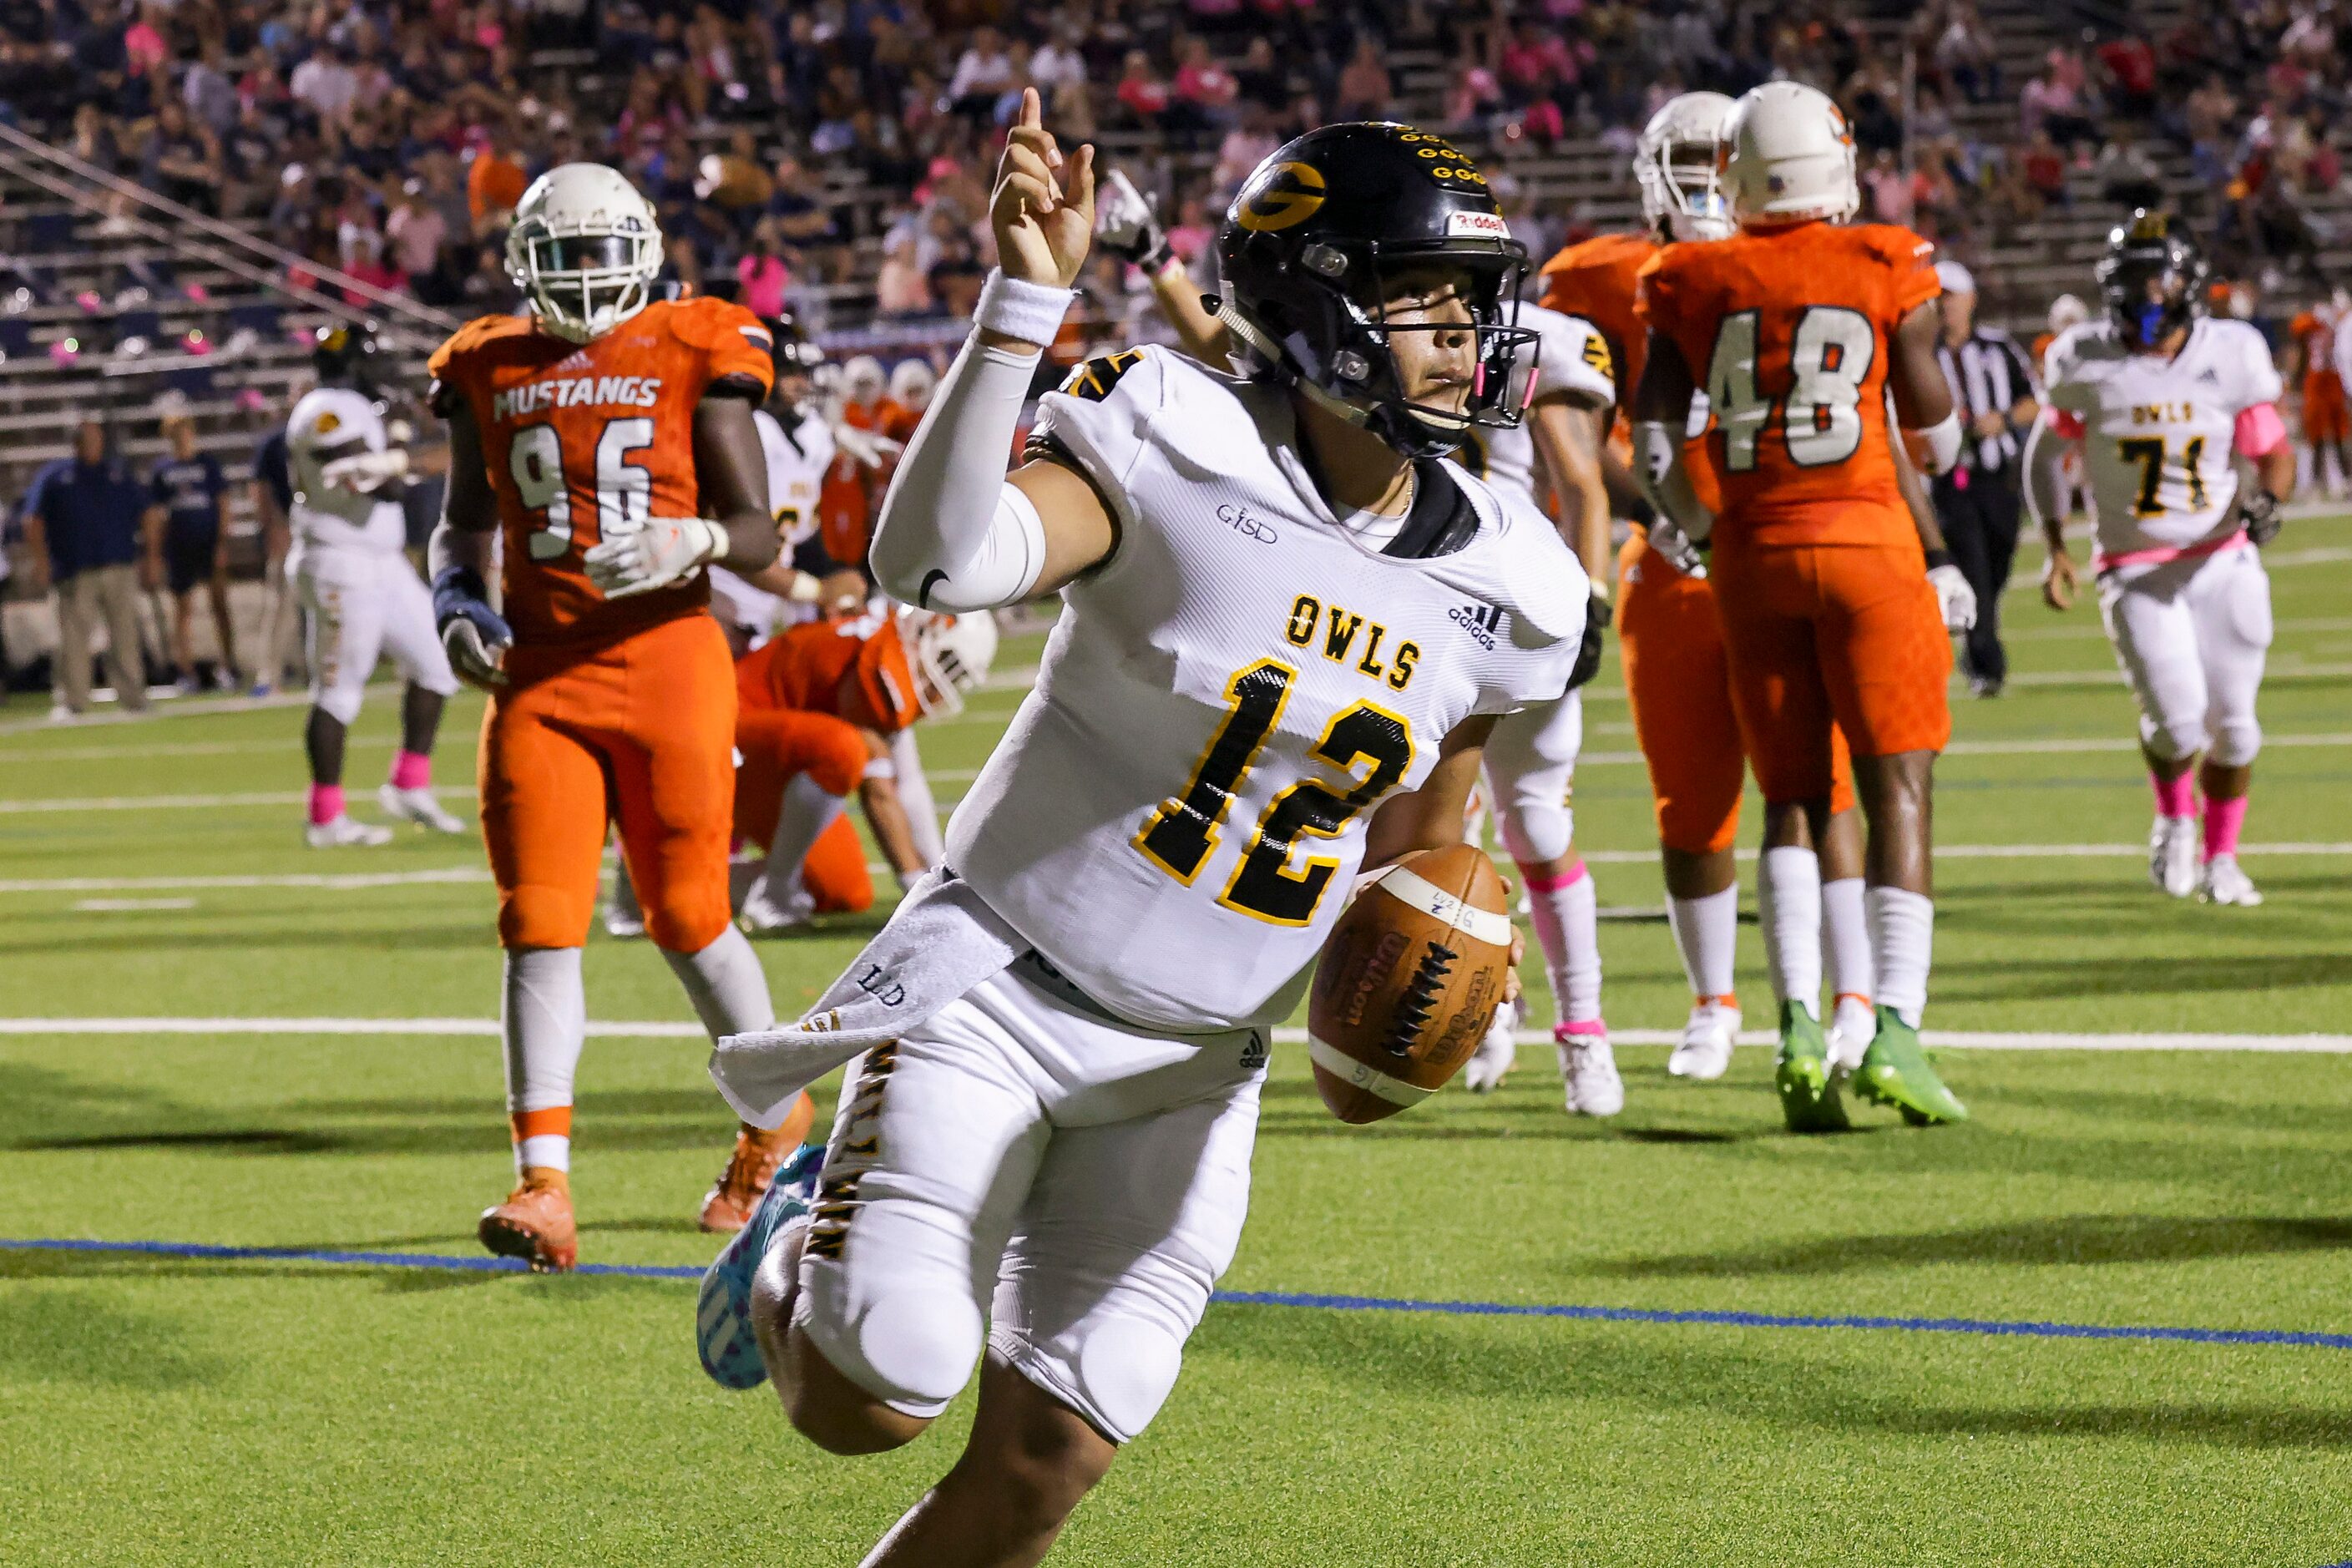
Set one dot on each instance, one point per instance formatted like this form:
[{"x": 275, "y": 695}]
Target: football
[{"x": 1408, "y": 982}]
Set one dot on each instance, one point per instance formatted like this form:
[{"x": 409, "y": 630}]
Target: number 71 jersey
[
  {"x": 579, "y": 439},
  {"x": 2157, "y": 432},
  {"x": 1788, "y": 333}
]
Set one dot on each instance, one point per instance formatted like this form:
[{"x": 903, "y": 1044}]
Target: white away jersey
[
  {"x": 796, "y": 465},
  {"x": 1177, "y": 811},
  {"x": 331, "y": 422},
  {"x": 2158, "y": 433},
  {"x": 1572, "y": 357}
]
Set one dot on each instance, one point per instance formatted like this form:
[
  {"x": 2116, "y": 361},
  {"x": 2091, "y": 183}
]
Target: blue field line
[{"x": 1990, "y": 1326}]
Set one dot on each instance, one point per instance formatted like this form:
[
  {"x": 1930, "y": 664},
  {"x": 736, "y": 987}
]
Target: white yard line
[
  {"x": 334, "y": 880},
  {"x": 672, "y": 1029},
  {"x": 118, "y": 906},
  {"x": 182, "y": 802}
]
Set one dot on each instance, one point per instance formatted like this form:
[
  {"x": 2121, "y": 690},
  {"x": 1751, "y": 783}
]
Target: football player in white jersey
[
  {"x": 1288, "y": 624},
  {"x": 798, "y": 445},
  {"x": 2187, "y": 464},
  {"x": 364, "y": 597}
]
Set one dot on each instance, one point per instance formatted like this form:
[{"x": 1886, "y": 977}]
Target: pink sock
[
  {"x": 2222, "y": 820},
  {"x": 326, "y": 803},
  {"x": 1580, "y": 1026},
  {"x": 411, "y": 769},
  {"x": 2175, "y": 797},
  {"x": 1567, "y": 878}
]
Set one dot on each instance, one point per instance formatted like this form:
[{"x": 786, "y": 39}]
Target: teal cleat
[
  {"x": 722, "y": 1308},
  {"x": 1809, "y": 1099},
  {"x": 1894, "y": 1071}
]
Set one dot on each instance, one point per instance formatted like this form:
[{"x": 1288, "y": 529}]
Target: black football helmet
[
  {"x": 1308, "y": 244},
  {"x": 794, "y": 351},
  {"x": 2152, "y": 277},
  {"x": 346, "y": 353}
]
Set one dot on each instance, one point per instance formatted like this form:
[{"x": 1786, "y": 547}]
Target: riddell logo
[{"x": 1483, "y": 622}]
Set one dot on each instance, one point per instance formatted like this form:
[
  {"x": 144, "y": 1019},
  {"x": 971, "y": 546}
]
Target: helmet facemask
[
  {"x": 1683, "y": 194},
  {"x": 583, "y": 278},
  {"x": 2152, "y": 290}
]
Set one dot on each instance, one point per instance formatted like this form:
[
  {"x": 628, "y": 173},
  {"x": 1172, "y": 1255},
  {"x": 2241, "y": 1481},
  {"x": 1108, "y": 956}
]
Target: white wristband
[{"x": 1031, "y": 313}]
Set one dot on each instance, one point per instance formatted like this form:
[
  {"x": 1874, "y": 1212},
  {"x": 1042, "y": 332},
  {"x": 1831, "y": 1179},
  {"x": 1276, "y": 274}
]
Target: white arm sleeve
[
  {"x": 953, "y": 534},
  {"x": 1942, "y": 442},
  {"x": 1658, "y": 456}
]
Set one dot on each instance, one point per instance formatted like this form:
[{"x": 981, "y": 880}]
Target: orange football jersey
[
  {"x": 2315, "y": 332},
  {"x": 801, "y": 670},
  {"x": 1787, "y": 333},
  {"x": 1595, "y": 279},
  {"x": 576, "y": 436}
]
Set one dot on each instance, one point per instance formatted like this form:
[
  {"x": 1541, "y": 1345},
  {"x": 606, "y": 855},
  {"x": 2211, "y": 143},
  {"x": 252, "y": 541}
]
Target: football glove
[
  {"x": 1676, "y": 545},
  {"x": 1124, "y": 224},
  {"x": 653, "y": 553},
  {"x": 475, "y": 636},
  {"x": 1588, "y": 653},
  {"x": 1954, "y": 597},
  {"x": 2263, "y": 516},
  {"x": 366, "y": 472},
  {"x": 864, "y": 447}
]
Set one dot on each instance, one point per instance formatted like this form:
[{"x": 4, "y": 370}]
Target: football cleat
[
  {"x": 722, "y": 1308},
  {"x": 535, "y": 1225},
  {"x": 1894, "y": 1071},
  {"x": 343, "y": 833},
  {"x": 2172, "y": 854},
  {"x": 727, "y": 1206},
  {"x": 1853, "y": 1027},
  {"x": 1704, "y": 1052},
  {"x": 1590, "y": 1069},
  {"x": 1809, "y": 1097},
  {"x": 763, "y": 916},
  {"x": 1496, "y": 1054},
  {"x": 416, "y": 806},
  {"x": 2226, "y": 882}
]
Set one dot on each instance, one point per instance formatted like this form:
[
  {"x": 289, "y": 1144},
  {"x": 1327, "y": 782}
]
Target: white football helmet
[
  {"x": 950, "y": 654},
  {"x": 584, "y": 250},
  {"x": 911, "y": 384},
  {"x": 2068, "y": 310},
  {"x": 1679, "y": 164},
  {"x": 863, "y": 380},
  {"x": 1791, "y": 157}
]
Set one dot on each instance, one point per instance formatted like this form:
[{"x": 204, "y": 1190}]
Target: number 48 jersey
[
  {"x": 1176, "y": 815},
  {"x": 578, "y": 438},
  {"x": 2158, "y": 433},
  {"x": 1788, "y": 334}
]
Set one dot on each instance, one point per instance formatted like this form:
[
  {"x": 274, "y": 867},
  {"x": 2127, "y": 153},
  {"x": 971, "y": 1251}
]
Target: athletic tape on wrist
[{"x": 1017, "y": 308}]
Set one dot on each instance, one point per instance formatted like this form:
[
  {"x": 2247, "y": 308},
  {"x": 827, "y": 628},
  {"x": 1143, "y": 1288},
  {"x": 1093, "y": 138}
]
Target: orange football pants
[
  {"x": 1823, "y": 637},
  {"x": 1678, "y": 686},
  {"x": 777, "y": 745},
  {"x": 2325, "y": 414},
  {"x": 640, "y": 732}
]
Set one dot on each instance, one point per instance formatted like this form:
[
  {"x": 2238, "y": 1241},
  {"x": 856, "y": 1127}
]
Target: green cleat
[
  {"x": 1809, "y": 1101},
  {"x": 1894, "y": 1071}
]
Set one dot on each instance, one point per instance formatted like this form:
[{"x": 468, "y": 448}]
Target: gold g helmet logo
[{"x": 1279, "y": 197}]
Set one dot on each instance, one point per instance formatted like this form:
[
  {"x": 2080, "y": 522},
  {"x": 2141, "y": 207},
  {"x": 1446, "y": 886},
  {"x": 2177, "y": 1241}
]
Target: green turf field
[{"x": 187, "y": 1410}]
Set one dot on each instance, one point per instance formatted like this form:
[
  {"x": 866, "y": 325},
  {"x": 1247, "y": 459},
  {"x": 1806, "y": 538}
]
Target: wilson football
[{"x": 1408, "y": 982}]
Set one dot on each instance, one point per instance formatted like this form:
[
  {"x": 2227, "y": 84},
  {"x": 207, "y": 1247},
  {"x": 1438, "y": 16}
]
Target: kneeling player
[
  {"x": 1261, "y": 681},
  {"x": 2162, "y": 401}
]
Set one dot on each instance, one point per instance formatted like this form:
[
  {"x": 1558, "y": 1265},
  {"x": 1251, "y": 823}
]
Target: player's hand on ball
[
  {"x": 1043, "y": 209},
  {"x": 1954, "y": 597},
  {"x": 2058, "y": 580},
  {"x": 653, "y": 554}
]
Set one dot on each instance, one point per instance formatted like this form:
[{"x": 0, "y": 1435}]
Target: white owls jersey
[
  {"x": 796, "y": 465},
  {"x": 1571, "y": 356},
  {"x": 1176, "y": 815},
  {"x": 331, "y": 422},
  {"x": 2158, "y": 433}
]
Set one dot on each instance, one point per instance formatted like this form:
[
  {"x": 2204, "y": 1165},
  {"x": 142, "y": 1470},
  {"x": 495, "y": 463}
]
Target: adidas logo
[
  {"x": 2210, "y": 373},
  {"x": 576, "y": 360},
  {"x": 1483, "y": 622},
  {"x": 1254, "y": 1052}
]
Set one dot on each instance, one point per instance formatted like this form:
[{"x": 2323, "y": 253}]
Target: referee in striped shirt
[{"x": 1979, "y": 502}]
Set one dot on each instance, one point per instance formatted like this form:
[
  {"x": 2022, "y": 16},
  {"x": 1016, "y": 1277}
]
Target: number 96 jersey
[
  {"x": 581, "y": 439},
  {"x": 1176, "y": 813},
  {"x": 1788, "y": 334},
  {"x": 2157, "y": 432}
]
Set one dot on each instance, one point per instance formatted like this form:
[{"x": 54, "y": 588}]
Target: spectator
[
  {"x": 327, "y": 83},
  {"x": 761, "y": 276},
  {"x": 1205, "y": 87},
  {"x": 495, "y": 183},
  {"x": 2044, "y": 166},
  {"x": 1141, "y": 93},
  {"x": 417, "y": 231},
  {"x": 1365, "y": 90},
  {"x": 187, "y": 532},
  {"x": 982, "y": 74},
  {"x": 2130, "y": 64},
  {"x": 83, "y": 524}
]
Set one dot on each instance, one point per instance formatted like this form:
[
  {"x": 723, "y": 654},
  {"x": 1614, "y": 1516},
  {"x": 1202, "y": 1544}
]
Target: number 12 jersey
[{"x": 1789, "y": 332}]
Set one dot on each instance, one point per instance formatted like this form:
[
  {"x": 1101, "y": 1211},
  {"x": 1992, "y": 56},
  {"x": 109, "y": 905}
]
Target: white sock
[
  {"x": 544, "y": 1016},
  {"x": 1902, "y": 939},
  {"x": 808, "y": 811},
  {"x": 1845, "y": 935},
  {"x": 1706, "y": 929},
  {"x": 1567, "y": 916},
  {"x": 724, "y": 983},
  {"x": 1788, "y": 898}
]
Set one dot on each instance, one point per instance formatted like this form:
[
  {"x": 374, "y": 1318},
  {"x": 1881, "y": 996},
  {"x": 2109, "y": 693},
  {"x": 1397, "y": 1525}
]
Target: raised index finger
[{"x": 1032, "y": 116}]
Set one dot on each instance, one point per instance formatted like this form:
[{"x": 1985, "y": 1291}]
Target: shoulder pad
[
  {"x": 706, "y": 322},
  {"x": 473, "y": 337},
  {"x": 1094, "y": 379}
]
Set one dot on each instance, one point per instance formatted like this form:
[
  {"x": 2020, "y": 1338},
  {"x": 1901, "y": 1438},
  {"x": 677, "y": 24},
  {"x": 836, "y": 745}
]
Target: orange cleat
[
  {"x": 535, "y": 1223},
  {"x": 727, "y": 1207}
]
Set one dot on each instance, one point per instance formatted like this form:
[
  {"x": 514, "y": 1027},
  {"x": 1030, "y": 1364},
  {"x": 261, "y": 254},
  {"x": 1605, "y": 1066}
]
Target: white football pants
[
  {"x": 1530, "y": 760},
  {"x": 365, "y": 604},
  {"x": 2191, "y": 637}
]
